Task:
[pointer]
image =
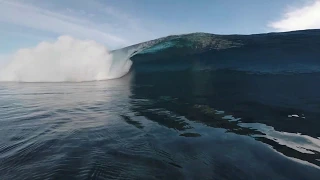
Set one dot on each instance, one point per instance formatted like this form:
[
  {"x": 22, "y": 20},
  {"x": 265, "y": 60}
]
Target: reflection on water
[{"x": 197, "y": 125}]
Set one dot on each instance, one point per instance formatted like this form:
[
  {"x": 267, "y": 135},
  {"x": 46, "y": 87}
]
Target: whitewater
[{"x": 65, "y": 60}]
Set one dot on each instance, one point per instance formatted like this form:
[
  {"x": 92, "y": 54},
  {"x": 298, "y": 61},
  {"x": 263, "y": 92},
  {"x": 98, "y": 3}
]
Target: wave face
[
  {"x": 67, "y": 59},
  {"x": 275, "y": 53}
]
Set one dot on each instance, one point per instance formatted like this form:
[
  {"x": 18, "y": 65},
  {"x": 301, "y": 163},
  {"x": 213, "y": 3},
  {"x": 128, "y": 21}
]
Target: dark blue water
[
  {"x": 208, "y": 115},
  {"x": 145, "y": 128}
]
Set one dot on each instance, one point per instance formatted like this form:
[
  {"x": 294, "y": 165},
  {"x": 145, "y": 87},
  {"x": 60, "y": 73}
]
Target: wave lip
[{"x": 66, "y": 59}]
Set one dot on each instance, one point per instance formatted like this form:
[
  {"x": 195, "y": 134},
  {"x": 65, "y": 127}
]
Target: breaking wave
[{"x": 69, "y": 59}]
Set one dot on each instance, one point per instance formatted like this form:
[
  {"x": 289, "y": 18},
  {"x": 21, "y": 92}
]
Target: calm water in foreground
[{"x": 172, "y": 126}]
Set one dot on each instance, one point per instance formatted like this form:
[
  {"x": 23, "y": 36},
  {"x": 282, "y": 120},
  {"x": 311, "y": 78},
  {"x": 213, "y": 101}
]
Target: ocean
[{"x": 195, "y": 106}]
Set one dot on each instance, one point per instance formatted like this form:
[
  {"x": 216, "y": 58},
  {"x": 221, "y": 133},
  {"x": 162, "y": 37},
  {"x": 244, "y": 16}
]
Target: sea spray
[{"x": 67, "y": 59}]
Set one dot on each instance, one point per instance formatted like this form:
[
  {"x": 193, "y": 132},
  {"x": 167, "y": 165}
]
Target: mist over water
[{"x": 67, "y": 59}]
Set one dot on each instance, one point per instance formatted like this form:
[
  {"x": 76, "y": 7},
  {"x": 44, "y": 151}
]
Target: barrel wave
[
  {"x": 73, "y": 60},
  {"x": 193, "y": 106}
]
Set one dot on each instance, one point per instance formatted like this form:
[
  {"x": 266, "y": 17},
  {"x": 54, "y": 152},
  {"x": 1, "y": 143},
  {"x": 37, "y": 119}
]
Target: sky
[{"x": 119, "y": 23}]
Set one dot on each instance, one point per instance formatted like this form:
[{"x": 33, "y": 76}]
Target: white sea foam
[{"x": 67, "y": 59}]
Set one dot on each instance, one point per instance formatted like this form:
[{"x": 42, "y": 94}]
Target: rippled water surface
[{"x": 172, "y": 126}]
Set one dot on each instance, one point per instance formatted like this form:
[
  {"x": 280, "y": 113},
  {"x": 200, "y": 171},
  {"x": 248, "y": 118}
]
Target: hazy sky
[{"x": 117, "y": 23}]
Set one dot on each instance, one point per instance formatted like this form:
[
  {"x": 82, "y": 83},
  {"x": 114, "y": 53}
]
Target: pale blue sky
[{"x": 118, "y": 23}]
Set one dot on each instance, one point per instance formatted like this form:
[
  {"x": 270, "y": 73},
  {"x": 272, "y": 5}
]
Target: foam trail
[{"x": 67, "y": 59}]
